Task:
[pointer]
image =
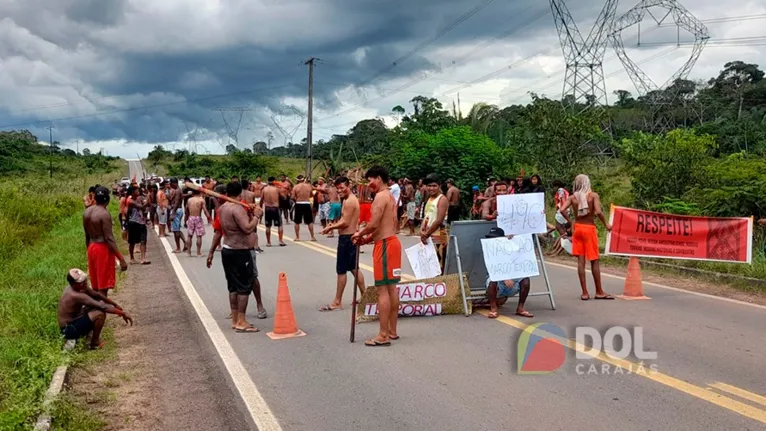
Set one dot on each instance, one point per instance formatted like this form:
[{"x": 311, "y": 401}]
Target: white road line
[
  {"x": 662, "y": 286},
  {"x": 263, "y": 416}
]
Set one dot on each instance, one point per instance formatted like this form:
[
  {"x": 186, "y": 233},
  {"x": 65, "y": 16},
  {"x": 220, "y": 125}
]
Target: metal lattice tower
[
  {"x": 584, "y": 81},
  {"x": 659, "y": 97}
]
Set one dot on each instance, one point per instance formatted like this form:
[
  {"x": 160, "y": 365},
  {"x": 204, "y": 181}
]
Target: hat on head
[
  {"x": 495, "y": 232},
  {"x": 101, "y": 194},
  {"x": 77, "y": 275},
  {"x": 476, "y": 188}
]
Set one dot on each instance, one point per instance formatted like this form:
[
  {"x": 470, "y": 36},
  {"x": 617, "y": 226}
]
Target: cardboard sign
[
  {"x": 670, "y": 236},
  {"x": 429, "y": 297},
  {"x": 423, "y": 259},
  {"x": 510, "y": 259},
  {"x": 521, "y": 214}
]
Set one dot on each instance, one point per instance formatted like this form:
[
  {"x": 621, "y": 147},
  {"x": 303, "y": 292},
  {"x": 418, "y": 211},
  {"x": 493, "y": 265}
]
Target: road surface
[
  {"x": 457, "y": 372},
  {"x": 136, "y": 169}
]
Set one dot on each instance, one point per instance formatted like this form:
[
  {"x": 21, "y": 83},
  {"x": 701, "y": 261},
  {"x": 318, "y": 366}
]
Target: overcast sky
[{"x": 125, "y": 75}]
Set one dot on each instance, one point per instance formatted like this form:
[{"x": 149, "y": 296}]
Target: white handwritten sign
[
  {"x": 510, "y": 259},
  {"x": 522, "y": 213},
  {"x": 423, "y": 259}
]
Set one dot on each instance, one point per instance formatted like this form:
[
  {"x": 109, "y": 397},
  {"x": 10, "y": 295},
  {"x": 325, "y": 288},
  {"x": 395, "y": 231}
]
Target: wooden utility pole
[
  {"x": 309, "y": 124},
  {"x": 50, "y": 152}
]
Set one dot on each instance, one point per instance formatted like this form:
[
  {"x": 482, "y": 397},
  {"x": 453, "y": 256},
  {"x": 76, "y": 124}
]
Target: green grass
[{"x": 40, "y": 239}]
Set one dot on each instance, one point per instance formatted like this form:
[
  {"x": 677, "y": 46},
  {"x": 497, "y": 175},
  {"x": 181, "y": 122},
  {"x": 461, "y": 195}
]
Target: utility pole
[
  {"x": 309, "y": 124},
  {"x": 50, "y": 152}
]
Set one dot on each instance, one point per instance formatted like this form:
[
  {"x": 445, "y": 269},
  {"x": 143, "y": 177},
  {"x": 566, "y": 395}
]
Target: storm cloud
[{"x": 141, "y": 72}]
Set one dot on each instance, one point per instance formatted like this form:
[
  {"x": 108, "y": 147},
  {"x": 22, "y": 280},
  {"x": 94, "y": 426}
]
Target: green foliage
[
  {"x": 457, "y": 153},
  {"x": 676, "y": 206},
  {"x": 665, "y": 166},
  {"x": 240, "y": 163},
  {"x": 732, "y": 187}
]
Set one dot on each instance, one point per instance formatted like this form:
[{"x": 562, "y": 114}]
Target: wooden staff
[
  {"x": 218, "y": 195},
  {"x": 353, "y": 307}
]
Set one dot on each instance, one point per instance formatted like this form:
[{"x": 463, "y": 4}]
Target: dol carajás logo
[{"x": 540, "y": 349}]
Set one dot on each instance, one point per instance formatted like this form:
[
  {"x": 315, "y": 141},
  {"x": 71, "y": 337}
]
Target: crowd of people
[{"x": 375, "y": 211}]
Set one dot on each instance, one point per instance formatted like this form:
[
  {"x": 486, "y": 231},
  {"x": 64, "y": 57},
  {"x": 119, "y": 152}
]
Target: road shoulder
[{"x": 164, "y": 373}]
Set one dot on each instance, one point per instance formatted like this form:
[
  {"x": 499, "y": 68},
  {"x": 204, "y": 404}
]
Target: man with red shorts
[
  {"x": 102, "y": 248},
  {"x": 386, "y": 256},
  {"x": 586, "y": 204}
]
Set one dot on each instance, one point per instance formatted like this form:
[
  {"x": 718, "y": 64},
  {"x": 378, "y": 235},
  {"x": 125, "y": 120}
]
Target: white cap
[{"x": 79, "y": 276}]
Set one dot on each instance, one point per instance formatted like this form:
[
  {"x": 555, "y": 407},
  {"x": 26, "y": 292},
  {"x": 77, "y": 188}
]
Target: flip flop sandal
[
  {"x": 329, "y": 308},
  {"x": 282, "y": 245},
  {"x": 375, "y": 343},
  {"x": 248, "y": 330},
  {"x": 262, "y": 314},
  {"x": 607, "y": 297},
  {"x": 525, "y": 314},
  {"x": 585, "y": 298},
  {"x": 146, "y": 263},
  {"x": 394, "y": 338},
  {"x": 492, "y": 315}
]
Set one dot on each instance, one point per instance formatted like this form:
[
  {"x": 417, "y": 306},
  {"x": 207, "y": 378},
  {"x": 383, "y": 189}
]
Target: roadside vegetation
[{"x": 40, "y": 238}]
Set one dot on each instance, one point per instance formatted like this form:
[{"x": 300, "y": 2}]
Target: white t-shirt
[{"x": 396, "y": 192}]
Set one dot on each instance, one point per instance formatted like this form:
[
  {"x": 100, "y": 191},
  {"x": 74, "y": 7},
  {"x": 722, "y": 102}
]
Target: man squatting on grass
[
  {"x": 386, "y": 255},
  {"x": 82, "y": 310},
  {"x": 346, "y": 256}
]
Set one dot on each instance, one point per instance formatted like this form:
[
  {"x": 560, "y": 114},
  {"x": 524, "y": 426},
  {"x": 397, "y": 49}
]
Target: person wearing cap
[
  {"x": 100, "y": 242},
  {"x": 82, "y": 310},
  {"x": 498, "y": 292}
]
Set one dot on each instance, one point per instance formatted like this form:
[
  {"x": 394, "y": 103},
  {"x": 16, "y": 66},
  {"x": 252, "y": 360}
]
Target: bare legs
[
  {"x": 388, "y": 313},
  {"x": 98, "y": 318},
  {"x": 595, "y": 268}
]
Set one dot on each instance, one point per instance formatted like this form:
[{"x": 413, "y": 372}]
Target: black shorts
[
  {"x": 272, "y": 217},
  {"x": 239, "y": 268},
  {"x": 78, "y": 328},
  {"x": 303, "y": 214},
  {"x": 136, "y": 233},
  {"x": 284, "y": 203},
  {"x": 123, "y": 223},
  {"x": 453, "y": 213},
  {"x": 346, "y": 255}
]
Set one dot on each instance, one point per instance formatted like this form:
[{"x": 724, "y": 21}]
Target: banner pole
[
  {"x": 460, "y": 275},
  {"x": 545, "y": 272}
]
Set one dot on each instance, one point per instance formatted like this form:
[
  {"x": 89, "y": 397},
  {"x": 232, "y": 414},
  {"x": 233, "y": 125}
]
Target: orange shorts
[
  {"x": 585, "y": 241},
  {"x": 101, "y": 266},
  {"x": 387, "y": 261}
]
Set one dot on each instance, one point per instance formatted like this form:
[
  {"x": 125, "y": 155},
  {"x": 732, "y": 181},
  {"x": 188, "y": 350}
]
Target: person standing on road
[
  {"x": 336, "y": 207},
  {"x": 195, "y": 207},
  {"x": 453, "y": 196},
  {"x": 587, "y": 206},
  {"x": 249, "y": 198},
  {"x": 82, "y": 310},
  {"x": 270, "y": 203},
  {"x": 237, "y": 256},
  {"x": 435, "y": 215},
  {"x": 137, "y": 225},
  {"x": 387, "y": 254},
  {"x": 346, "y": 255},
  {"x": 176, "y": 215},
  {"x": 99, "y": 240},
  {"x": 162, "y": 209},
  {"x": 303, "y": 214}
]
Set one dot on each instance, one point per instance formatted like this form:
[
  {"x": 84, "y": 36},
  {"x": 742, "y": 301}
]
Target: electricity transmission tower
[
  {"x": 659, "y": 97},
  {"x": 584, "y": 81},
  {"x": 232, "y": 130}
]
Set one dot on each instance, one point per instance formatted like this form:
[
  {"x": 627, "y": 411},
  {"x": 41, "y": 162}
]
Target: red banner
[{"x": 670, "y": 236}]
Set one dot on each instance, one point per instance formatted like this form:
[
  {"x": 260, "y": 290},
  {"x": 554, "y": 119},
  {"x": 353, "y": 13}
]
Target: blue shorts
[
  {"x": 504, "y": 291},
  {"x": 176, "y": 225},
  {"x": 335, "y": 210}
]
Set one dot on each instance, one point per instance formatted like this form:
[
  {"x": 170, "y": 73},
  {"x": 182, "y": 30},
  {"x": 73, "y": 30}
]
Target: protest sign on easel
[
  {"x": 465, "y": 255},
  {"x": 424, "y": 260}
]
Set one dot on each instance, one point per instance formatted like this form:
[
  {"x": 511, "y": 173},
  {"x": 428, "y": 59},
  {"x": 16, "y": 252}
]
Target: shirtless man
[
  {"x": 387, "y": 254},
  {"x": 237, "y": 256},
  {"x": 162, "y": 209},
  {"x": 82, "y": 310},
  {"x": 249, "y": 197},
  {"x": 209, "y": 184},
  {"x": 346, "y": 255},
  {"x": 322, "y": 201},
  {"x": 176, "y": 215},
  {"x": 88, "y": 200},
  {"x": 336, "y": 208},
  {"x": 99, "y": 240},
  {"x": 586, "y": 205},
  {"x": 194, "y": 225},
  {"x": 453, "y": 196},
  {"x": 285, "y": 192},
  {"x": 272, "y": 217},
  {"x": 301, "y": 194},
  {"x": 123, "y": 217},
  {"x": 257, "y": 189},
  {"x": 489, "y": 207}
]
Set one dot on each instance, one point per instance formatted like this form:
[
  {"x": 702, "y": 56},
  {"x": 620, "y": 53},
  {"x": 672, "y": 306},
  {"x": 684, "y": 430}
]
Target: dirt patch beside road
[{"x": 165, "y": 373}]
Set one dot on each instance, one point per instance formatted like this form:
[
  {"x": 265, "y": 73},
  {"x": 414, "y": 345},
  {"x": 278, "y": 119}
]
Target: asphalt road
[
  {"x": 457, "y": 372},
  {"x": 136, "y": 169}
]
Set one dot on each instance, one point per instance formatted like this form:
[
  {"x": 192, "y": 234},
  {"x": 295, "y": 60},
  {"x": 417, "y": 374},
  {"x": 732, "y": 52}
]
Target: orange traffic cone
[
  {"x": 284, "y": 319},
  {"x": 634, "y": 287}
]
